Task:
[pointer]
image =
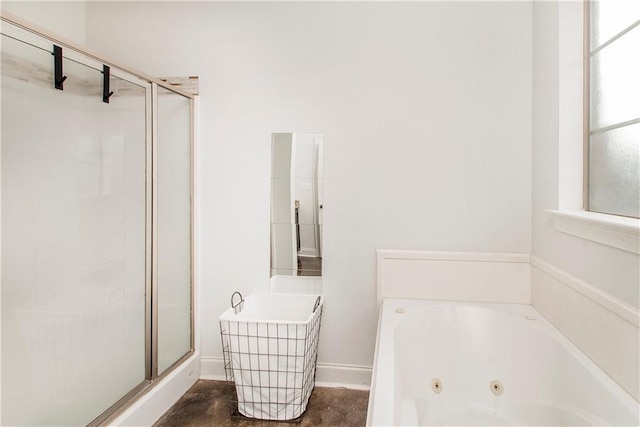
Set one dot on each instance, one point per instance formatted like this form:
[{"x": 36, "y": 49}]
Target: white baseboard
[
  {"x": 150, "y": 407},
  {"x": 212, "y": 368},
  {"x": 327, "y": 374},
  {"x": 348, "y": 376}
]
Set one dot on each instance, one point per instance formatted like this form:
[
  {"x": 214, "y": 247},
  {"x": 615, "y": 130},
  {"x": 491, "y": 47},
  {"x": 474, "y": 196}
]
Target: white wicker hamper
[{"x": 270, "y": 347}]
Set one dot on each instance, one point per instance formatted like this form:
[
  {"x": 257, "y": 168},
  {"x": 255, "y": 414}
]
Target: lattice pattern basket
[{"x": 270, "y": 347}]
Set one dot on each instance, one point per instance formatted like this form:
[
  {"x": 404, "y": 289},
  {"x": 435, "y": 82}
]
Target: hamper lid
[{"x": 274, "y": 307}]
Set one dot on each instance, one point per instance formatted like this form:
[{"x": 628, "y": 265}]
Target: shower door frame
[{"x": 91, "y": 59}]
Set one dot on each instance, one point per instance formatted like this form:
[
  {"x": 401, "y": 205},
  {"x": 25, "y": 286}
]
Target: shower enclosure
[{"x": 96, "y": 231}]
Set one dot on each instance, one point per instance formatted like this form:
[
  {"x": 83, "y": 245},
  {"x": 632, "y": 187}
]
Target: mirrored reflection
[{"x": 296, "y": 204}]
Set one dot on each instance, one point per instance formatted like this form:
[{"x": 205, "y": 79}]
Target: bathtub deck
[{"x": 207, "y": 404}]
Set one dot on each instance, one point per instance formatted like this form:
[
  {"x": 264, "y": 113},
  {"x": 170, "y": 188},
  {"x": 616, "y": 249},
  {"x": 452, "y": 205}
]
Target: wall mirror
[{"x": 296, "y": 204}]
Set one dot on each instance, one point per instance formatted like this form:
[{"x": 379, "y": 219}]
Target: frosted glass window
[
  {"x": 615, "y": 82},
  {"x": 614, "y": 171},
  {"x": 73, "y": 240},
  {"x": 614, "y": 116},
  {"x": 611, "y": 17},
  {"x": 174, "y": 228}
]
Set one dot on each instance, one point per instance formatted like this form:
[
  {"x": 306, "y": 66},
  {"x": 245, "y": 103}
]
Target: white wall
[
  {"x": 567, "y": 268},
  {"x": 426, "y": 112},
  {"x": 65, "y": 18}
]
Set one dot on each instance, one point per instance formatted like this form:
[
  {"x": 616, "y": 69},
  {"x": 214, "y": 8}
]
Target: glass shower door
[
  {"x": 173, "y": 222},
  {"x": 74, "y": 238}
]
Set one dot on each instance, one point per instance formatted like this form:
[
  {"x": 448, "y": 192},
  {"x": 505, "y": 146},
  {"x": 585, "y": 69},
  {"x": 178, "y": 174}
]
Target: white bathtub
[{"x": 544, "y": 378}]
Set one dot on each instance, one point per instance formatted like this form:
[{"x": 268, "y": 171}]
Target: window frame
[
  {"x": 570, "y": 216},
  {"x": 586, "y": 100},
  {"x": 586, "y": 124}
]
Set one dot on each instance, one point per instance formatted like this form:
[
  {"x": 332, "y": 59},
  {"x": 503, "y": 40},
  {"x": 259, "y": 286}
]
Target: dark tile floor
[{"x": 208, "y": 403}]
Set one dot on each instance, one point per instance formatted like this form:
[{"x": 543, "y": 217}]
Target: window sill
[{"x": 618, "y": 232}]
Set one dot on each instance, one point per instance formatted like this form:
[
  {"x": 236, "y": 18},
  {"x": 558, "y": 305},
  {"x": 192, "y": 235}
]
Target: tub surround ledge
[{"x": 603, "y": 327}]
